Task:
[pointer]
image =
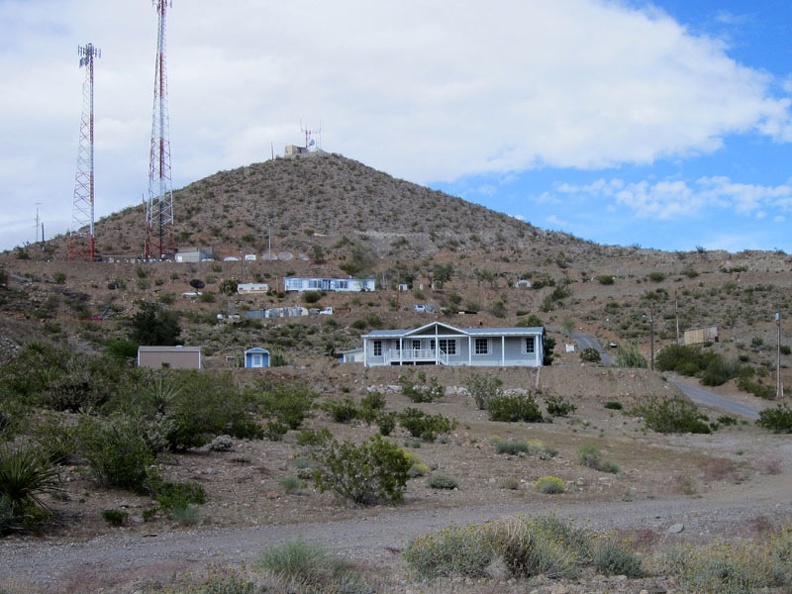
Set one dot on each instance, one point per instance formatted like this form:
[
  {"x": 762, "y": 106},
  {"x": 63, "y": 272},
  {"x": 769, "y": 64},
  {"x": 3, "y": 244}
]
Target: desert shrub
[
  {"x": 386, "y": 422},
  {"x": 341, "y": 411},
  {"x": 311, "y": 297},
  {"x": 417, "y": 467},
  {"x": 672, "y": 415},
  {"x": 777, "y": 419},
  {"x": 155, "y": 325},
  {"x": 188, "y": 515},
  {"x": 420, "y": 389},
  {"x": 590, "y": 355},
  {"x": 117, "y": 453},
  {"x": 761, "y": 390},
  {"x": 590, "y": 457},
  {"x": 290, "y": 484},
  {"x": 614, "y": 405},
  {"x": 309, "y": 564},
  {"x": 371, "y": 405},
  {"x": 115, "y": 517},
  {"x": 453, "y": 551},
  {"x": 420, "y": 424},
  {"x": 514, "y": 447},
  {"x": 367, "y": 473},
  {"x": 613, "y": 558},
  {"x": 82, "y": 385},
  {"x": 529, "y": 548},
  {"x": 441, "y": 480},
  {"x": 559, "y": 406},
  {"x": 550, "y": 485},
  {"x": 732, "y": 568},
  {"x": 518, "y": 407},
  {"x": 25, "y": 475},
  {"x": 483, "y": 388},
  {"x": 174, "y": 496},
  {"x": 629, "y": 357},
  {"x": 606, "y": 279},
  {"x": 275, "y": 430},
  {"x": 288, "y": 404},
  {"x": 695, "y": 361}
]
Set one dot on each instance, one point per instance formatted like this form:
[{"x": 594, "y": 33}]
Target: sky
[{"x": 663, "y": 125}]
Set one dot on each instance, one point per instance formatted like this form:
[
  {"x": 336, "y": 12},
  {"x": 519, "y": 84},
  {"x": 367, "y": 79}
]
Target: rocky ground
[{"x": 733, "y": 482}]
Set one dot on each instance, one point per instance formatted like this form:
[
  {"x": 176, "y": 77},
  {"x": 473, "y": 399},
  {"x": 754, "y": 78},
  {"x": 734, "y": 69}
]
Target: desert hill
[{"x": 324, "y": 214}]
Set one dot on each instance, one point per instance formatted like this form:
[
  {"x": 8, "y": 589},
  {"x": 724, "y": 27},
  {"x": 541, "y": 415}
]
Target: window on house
[
  {"x": 481, "y": 346},
  {"x": 447, "y": 346},
  {"x": 378, "y": 348},
  {"x": 530, "y": 344},
  {"x": 314, "y": 284},
  {"x": 342, "y": 284},
  {"x": 416, "y": 344}
]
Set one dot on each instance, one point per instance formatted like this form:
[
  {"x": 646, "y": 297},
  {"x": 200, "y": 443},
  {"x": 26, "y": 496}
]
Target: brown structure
[{"x": 173, "y": 357}]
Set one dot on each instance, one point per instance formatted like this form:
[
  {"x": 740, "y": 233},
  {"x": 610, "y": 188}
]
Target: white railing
[{"x": 415, "y": 356}]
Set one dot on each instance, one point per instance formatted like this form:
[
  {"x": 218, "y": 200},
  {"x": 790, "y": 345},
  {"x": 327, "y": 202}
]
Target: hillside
[{"x": 328, "y": 215}]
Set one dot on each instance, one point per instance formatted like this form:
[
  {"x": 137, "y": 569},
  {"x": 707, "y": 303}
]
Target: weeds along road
[{"x": 374, "y": 539}]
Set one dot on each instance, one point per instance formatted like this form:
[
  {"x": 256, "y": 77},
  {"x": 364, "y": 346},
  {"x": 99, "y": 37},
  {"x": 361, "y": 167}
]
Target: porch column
[
  {"x": 503, "y": 350},
  {"x": 470, "y": 350},
  {"x": 401, "y": 351},
  {"x": 365, "y": 353}
]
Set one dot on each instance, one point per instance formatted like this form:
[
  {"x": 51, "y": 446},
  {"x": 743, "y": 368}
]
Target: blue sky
[{"x": 666, "y": 125}]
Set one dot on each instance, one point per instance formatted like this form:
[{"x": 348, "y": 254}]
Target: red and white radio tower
[
  {"x": 82, "y": 245},
  {"x": 159, "y": 208}
]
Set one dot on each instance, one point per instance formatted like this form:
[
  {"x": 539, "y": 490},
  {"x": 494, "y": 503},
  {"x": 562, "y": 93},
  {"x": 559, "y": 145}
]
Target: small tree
[
  {"x": 154, "y": 325},
  {"x": 483, "y": 388}
]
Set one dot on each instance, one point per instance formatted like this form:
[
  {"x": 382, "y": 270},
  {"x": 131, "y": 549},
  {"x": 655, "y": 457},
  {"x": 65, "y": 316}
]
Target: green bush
[
  {"x": 309, "y": 564},
  {"x": 514, "y": 447},
  {"x": 341, "y": 411},
  {"x": 453, "y": 551},
  {"x": 550, "y": 485},
  {"x": 630, "y": 357},
  {"x": 371, "y": 405},
  {"x": 613, "y": 558},
  {"x": 386, "y": 422},
  {"x": 672, "y": 415},
  {"x": 288, "y": 404},
  {"x": 441, "y": 480},
  {"x": 421, "y": 389},
  {"x": 559, "y": 406},
  {"x": 614, "y": 405},
  {"x": 117, "y": 453},
  {"x": 590, "y": 355},
  {"x": 368, "y": 473},
  {"x": 510, "y": 409},
  {"x": 25, "y": 475},
  {"x": 423, "y": 425},
  {"x": 483, "y": 388},
  {"x": 590, "y": 457},
  {"x": 115, "y": 517},
  {"x": 777, "y": 419},
  {"x": 757, "y": 388}
]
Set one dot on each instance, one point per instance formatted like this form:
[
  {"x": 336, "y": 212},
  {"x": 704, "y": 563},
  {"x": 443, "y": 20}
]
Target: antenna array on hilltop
[
  {"x": 82, "y": 244},
  {"x": 159, "y": 208}
]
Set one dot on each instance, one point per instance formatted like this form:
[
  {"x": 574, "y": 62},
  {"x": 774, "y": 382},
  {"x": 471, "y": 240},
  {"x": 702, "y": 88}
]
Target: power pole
[{"x": 779, "y": 385}]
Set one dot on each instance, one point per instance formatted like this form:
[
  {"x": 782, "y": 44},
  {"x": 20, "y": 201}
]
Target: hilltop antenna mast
[
  {"x": 82, "y": 244},
  {"x": 159, "y": 208},
  {"x": 310, "y": 143}
]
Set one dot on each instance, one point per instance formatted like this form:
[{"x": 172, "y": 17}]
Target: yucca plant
[{"x": 25, "y": 475}]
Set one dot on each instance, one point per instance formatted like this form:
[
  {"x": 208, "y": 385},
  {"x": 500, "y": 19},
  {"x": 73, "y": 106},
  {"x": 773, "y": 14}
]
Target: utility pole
[
  {"x": 779, "y": 385},
  {"x": 650, "y": 317},
  {"x": 676, "y": 315}
]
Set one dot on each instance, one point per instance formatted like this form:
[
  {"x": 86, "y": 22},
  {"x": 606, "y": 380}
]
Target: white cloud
[
  {"x": 676, "y": 199},
  {"x": 407, "y": 86}
]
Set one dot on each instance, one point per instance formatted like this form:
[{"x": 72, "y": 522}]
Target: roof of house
[
  {"x": 256, "y": 350},
  {"x": 401, "y": 333},
  {"x": 165, "y": 349}
]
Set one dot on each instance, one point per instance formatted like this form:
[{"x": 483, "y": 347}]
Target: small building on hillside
[
  {"x": 194, "y": 255},
  {"x": 437, "y": 343},
  {"x": 298, "y": 283},
  {"x": 173, "y": 357},
  {"x": 351, "y": 356},
  {"x": 701, "y": 335},
  {"x": 257, "y": 357},
  {"x": 247, "y": 288}
]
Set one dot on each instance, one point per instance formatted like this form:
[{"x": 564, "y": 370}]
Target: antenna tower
[
  {"x": 159, "y": 208},
  {"x": 82, "y": 245},
  {"x": 311, "y": 144}
]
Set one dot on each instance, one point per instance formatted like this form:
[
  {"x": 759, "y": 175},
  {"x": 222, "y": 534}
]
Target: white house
[
  {"x": 297, "y": 283},
  {"x": 437, "y": 343}
]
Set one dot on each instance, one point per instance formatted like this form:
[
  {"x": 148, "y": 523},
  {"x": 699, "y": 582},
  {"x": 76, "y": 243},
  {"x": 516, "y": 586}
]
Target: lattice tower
[
  {"x": 159, "y": 207},
  {"x": 82, "y": 243}
]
